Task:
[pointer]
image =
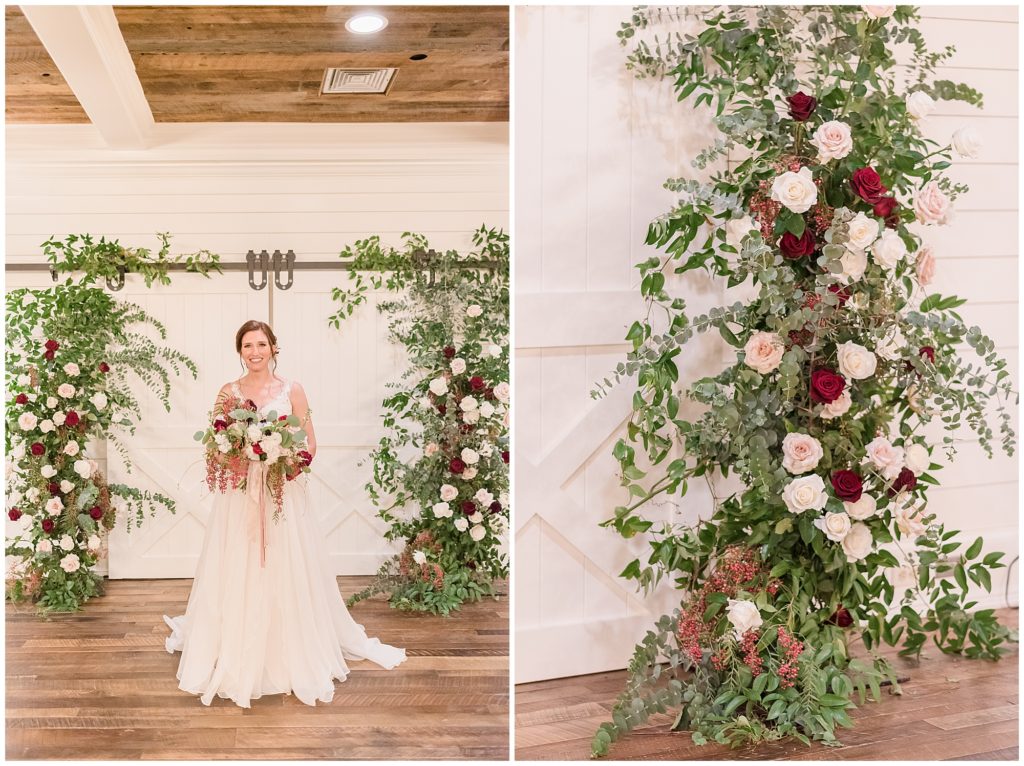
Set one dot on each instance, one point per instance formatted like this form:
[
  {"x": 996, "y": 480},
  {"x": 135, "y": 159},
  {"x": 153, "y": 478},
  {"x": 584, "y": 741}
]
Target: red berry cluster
[
  {"x": 751, "y": 657},
  {"x": 792, "y": 648}
]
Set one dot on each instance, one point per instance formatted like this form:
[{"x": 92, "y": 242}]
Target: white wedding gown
[{"x": 250, "y": 630}]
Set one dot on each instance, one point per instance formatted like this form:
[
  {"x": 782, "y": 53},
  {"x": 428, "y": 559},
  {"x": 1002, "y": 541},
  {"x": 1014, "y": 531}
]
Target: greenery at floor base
[
  {"x": 848, "y": 377},
  {"x": 440, "y": 473},
  {"x": 72, "y": 352}
]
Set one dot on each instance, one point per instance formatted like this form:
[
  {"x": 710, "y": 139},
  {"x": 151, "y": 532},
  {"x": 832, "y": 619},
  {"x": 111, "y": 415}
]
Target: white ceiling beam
[{"x": 86, "y": 44}]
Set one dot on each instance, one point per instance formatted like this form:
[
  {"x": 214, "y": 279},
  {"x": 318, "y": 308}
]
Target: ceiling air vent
[{"x": 358, "y": 80}]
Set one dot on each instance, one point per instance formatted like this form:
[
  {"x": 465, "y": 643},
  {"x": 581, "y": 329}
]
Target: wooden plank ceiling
[{"x": 266, "y": 64}]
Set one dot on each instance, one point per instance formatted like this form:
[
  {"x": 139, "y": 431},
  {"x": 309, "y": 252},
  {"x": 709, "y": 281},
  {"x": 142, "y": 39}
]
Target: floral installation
[
  {"x": 72, "y": 353},
  {"x": 440, "y": 474},
  {"x": 842, "y": 361}
]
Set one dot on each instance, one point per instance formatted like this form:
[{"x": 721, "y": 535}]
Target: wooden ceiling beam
[{"x": 87, "y": 46}]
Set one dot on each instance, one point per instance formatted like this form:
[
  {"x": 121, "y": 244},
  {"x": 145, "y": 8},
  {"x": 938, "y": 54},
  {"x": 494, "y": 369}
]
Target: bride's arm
[{"x": 300, "y": 408}]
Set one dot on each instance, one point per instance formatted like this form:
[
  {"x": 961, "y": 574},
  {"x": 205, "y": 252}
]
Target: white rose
[
  {"x": 863, "y": 231},
  {"x": 966, "y": 142},
  {"x": 805, "y": 494},
  {"x": 24, "y": 380},
  {"x": 458, "y": 366},
  {"x": 32, "y": 494},
  {"x": 18, "y": 451},
  {"x": 461, "y": 524},
  {"x": 470, "y": 457},
  {"x": 59, "y": 418},
  {"x": 66, "y": 543},
  {"x": 486, "y": 409},
  {"x": 885, "y": 457},
  {"x": 763, "y": 352},
  {"x": 70, "y": 563},
  {"x": 801, "y": 453},
  {"x": 448, "y": 492},
  {"x": 251, "y": 453},
  {"x": 891, "y": 346},
  {"x": 920, "y": 105},
  {"x": 864, "y": 508},
  {"x": 71, "y": 448},
  {"x": 503, "y": 499},
  {"x": 854, "y": 262},
  {"x": 48, "y": 471},
  {"x": 27, "y": 300},
  {"x": 486, "y": 450},
  {"x": 857, "y": 543},
  {"x": 501, "y": 392},
  {"x": 471, "y": 417},
  {"x": 889, "y": 249},
  {"x": 483, "y": 497},
  {"x": 94, "y": 542},
  {"x": 271, "y": 441},
  {"x": 431, "y": 449},
  {"x": 442, "y": 510},
  {"x": 795, "y": 191},
  {"x": 476, "y": 517},
  {"x": 879, "y": 11},
  {"x": 439, "y": 386},
  {"x": 474, "y": 311},
  {"x": 253, "y": 433},
  {"x": 833, "y": 141},
  {"x": 469, "y": 473},
  {"x": 909, "y": 517},
  {"x": 51, "y": 402},
  {"x": 737, "y": 229},
  {"x": 932, "y": 205},
  {"x": 425, "y": 403},
  {"x": 902, "y": 578},
  {"x": 27, "y": 421},
  {"x": 917, "y": 458},
  {"x": 836, "y": 526},
  {"x": 54, "y": 506},
  {"x": 494, "y": 350},
  {"x": 46, "y": 426},
  {"x": 99, "y": 400},
  {"x": 468, "y": 404},
  {"x": 66, "y": 486},
  {"x": 743, "y": 615},
  {"x": 419, "y": 557},
  {"x": 478, "y": 532},
  {"x": 855, "y": 361},
  {"x": 44, "y": 546},
  {"x": 71, "y": 369},
  {"x": 66, "y": 390}
]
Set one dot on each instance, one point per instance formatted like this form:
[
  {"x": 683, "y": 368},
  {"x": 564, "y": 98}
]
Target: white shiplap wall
[{"x": 593, "y": 147}]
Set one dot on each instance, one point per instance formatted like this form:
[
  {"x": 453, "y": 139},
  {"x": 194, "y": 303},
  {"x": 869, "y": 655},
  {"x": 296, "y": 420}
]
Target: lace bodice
[{"x": 280, "y": 403}]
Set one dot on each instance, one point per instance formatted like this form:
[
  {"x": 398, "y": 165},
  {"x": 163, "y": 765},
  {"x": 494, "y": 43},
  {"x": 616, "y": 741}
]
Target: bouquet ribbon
[{"x": 256, "y": 491}]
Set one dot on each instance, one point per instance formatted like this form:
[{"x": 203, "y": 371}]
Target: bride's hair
[{"x": 254, "y": 325}]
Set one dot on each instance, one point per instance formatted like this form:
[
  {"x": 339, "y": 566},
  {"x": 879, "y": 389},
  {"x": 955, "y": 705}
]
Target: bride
[{"x": 272, "y": 626}]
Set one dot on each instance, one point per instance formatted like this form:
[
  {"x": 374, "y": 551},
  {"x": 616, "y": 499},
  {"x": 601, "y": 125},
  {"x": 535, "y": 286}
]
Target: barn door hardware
[
  {"x": 115, "y": 285},
  {"x": 250, "y": 259},
  {"x": 289, "y": 262}
]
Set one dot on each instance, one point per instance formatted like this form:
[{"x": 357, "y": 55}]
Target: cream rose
[
  {"x": 66, "y": 390},
  {"x": 478, "y": 532},
  {"x": 863, "y": 231},
  {"x": 483, "y": 497},
  {"x": 431, "y": 449},
  {"x": 441, "y": 510},
  {"x": 833, "y": 141},
  {"x": 889, "y": 249},
  {"x": 468, "y": 404},
  {"x": 70, "y": 563},
  {"x": 805, "y": 494},
  {"x": 93, "y": 543},
  {"x": 837, "y": 408},
  {"x": 66, "y": 543},
  {"x": 932, "y": 205},
  {"x": 27, "y": 421},
  {"x": 501, "y": 392},
  {"x": 469, "y": 473},
  {"x": 924, "y": 266},
  {"x": 71, "y": 369},
  {"x": 743, "y": 615},
  {"x": 486, "y": 409},
  {"x": 470, "y": 457},
  {"x": 474, "y": 311},
  {"x": 884, "y": 457},
  {"x": 472, "y": 417},
  {"x": 439, "y": 386},
  {"x": 458, "y": 366},
  {"x": 54, "y": 506},
  {"x": 909, "y": 518},
  {"x": 917, "y": 458},
  {"x": 475, "y": 518},
  {"x": 46, "y": 426},
  {"x": 855, "y": 361},
  {"x": 902, "y": 578},
  {"x": 801, "y": 453},
  {"x": 71, "y": 448},
  {"x": 737, "y": 229},
  {"x": 795, "y": 191},
  {"x": 48, "y": 471},
  {"x": 66, "y": 486},
  {"x": 854, "y": 263},
  {"x": 920, "y": 104},
  {"x": 966, "y": 142},
  {"x": 864, "y": 508},
  {"x": 763, "y": 352},
  {"x": 836, "y": 526},
  {"x": 51, "y": 402},
  {"x": 59, "y": 418},
  {"x": 448, "y": 492},
  {"x": 419, "y": 557},
  {"x": 44, "y": 546},
  {"x": 461, "y": 524},
  {"x": 858, "y": 542}
]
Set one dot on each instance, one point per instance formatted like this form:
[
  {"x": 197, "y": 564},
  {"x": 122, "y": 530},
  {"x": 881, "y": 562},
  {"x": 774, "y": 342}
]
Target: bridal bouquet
[{"x": 239, "y": 437}]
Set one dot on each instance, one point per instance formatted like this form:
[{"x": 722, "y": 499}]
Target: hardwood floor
[
  {"x": 99, "y": 684},
  {"x": 951, "y": 709}
]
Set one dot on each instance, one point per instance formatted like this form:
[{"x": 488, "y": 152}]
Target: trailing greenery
[
  {"x": 440, "y": 473},
  {"x": 843, "y": 360}
]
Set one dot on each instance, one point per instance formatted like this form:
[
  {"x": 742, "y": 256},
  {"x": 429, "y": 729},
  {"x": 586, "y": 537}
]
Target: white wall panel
[{"x": 593, "y": 147}]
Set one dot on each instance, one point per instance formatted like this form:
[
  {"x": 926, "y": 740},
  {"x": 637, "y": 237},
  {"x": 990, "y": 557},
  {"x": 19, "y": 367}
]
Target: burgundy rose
[
  {"x": 495, "y": 507},
  {"x": 52, "y": 345},
  {"x": 504, "y": 456},
  {"x": 441, "y": 409},
  {"x": 842, "y": 293},
  {"x": 21, "y": 399},
  {"x": 449, "y": 352},
  {"x": 797, "y": 247},
  {"x": 54, "y": 488},
  {"x": 489, "y": 393},
  {"x": 826, "y": 386},
  {"x": 477, "y": 383},
  {"x": 47, "y": 525},
  {"x": 307, "y": 458},
  {"x": 847, "y": 485},
  {"x": 257, "y": 449},
  {"x": 887, "y": 209},
  {"x": 465, "y": 428},
  {"x": 220, "y": 425},
  {"x": 14, "y": 514},
  {"x": 905, "y": 481},
  {"x": 841, "y": 617},
  {"x": 37, "y": 448},
  {"x": 96, "y": 512},
  {"x": 801, "y": 106},
  {"x": 456, "y": 465},
  {"x": 283, "y": 417},
  {"x": 48, "y": 355},
  {"x": 71, "y": 419},
  {"x": 468, "y": 507},
  {"x": 868, "y": 185},
  {"x": 927, "y": 351},
  {"x": 104, "y": 367}
]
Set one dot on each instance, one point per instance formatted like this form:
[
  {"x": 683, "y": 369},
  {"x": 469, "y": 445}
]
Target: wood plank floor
[
  {"x": 951, "y": 709},
  {"x": 99, "y": 684}
]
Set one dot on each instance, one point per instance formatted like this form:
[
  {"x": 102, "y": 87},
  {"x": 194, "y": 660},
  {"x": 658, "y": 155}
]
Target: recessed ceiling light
[{"x": 366, "y": 23}]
